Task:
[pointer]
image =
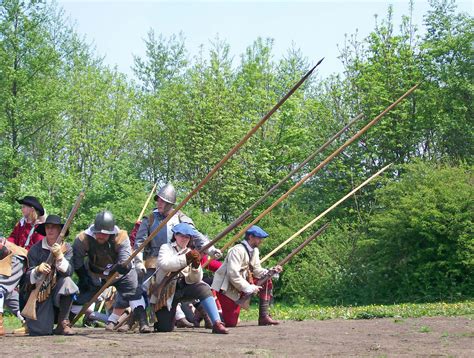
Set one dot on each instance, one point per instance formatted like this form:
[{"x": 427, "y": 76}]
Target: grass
[
  {"x": 314, "y": 312},
  {"x": 396, "y": 311}
]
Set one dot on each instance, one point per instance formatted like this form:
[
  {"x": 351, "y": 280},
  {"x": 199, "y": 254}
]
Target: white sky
[{"x": 117, "y": 27}]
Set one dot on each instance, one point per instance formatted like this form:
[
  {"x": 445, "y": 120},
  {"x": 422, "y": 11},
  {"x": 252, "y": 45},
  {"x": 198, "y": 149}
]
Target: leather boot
[
  {"x": 264, "y": 318},
  {"x": 184, "y": 323},
  {"x": 140, "y": 315},
  {"x": 199, "y": 315},
  {"x": 2, "y": 329},
  {"x": 125, "y": 324},
  {"x": 63, "y": 328},
  {"x": 219, "y": 328},
  {"x": 110, "y": 326}
]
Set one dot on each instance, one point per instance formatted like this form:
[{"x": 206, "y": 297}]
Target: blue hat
[
  {"x": 257, "y": 231},
  {"x": 184, "y": 229}
]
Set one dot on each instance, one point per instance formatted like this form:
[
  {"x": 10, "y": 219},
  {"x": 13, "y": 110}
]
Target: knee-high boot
[
  {"x": 264, "y": 318},
  {"x": 64, "y": 326}
]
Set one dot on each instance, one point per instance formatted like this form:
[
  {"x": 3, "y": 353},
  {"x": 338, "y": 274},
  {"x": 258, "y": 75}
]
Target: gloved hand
[
  {"x": 193, "y": 257},
  {"x": 277, "y": 269},
  {"x": 216, "y": 253},
  {"x": 253, "y": 289},
  {"x": 120, "y": 268},
  {"x": 57, "y": 252},
  {"x": 43, "y": 268}
]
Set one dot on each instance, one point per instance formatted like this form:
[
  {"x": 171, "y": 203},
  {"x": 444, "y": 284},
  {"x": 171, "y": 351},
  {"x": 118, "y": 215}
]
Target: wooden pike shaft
[
  {"x": 29, "y": 311},
  {"x": 321, "y": 165},
  {"x": 198, "y": 187},
  {"x": 247, "y": 212},
  {"x": 324, "y": 213},
  {"x": 147, "y": 202},
  {"x": 303, "y": 244},
  {"x": 245, "y": 299}
]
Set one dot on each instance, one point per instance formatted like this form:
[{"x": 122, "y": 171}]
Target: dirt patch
[{"x": 414, "y": 337}]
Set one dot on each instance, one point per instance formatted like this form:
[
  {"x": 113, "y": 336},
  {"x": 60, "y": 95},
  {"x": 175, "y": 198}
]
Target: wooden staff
[
  {"x": 325, "y": 212},
  {"x": 198, "y": 187},
  {"x": 321, "y": 165},
  {"x": 147, "y": 202},
  {"x": 247, "y": 212},
  {"x": 245, "y": 299},
  {"x": 29, "y": 311}
]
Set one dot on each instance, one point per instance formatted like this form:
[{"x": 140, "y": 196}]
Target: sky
[{"x": 117, "y": 28}]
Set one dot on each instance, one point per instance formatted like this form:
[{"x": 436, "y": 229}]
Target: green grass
[
  {"x": 424, "y": 329},
  {"x": 397, "y": 311},
  {"x": 314, "y": 312}
]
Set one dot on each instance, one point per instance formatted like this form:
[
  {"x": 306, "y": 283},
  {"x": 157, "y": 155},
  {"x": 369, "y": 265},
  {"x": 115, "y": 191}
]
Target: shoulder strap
[
  {"x": 28, "y": 239},
  {"x": 151, "y": 220},
  {"x": 82, "y": 237},
  {"x": 121, "y": 237}
]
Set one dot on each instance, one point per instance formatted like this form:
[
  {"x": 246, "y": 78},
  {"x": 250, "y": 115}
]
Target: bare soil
[{"x": 387, "y": 337}]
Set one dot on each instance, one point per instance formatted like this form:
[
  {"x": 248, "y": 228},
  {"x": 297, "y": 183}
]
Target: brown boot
[
  {"x": 267, "y": 321},
  {"x": 264, "y": 318},
  {"x": 110, "y": 326},
  {"x": 199, "y": 315},
  {"x": 219, "y": 328},
  {"x": 184, "y": 323},
  {"x": 125, "y": 322},
  {"x": 63, "y": 328},
  {"x": 2, "y": 330}
]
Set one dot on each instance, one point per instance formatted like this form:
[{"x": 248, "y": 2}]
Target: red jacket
[{"x": 20, "y": 234}]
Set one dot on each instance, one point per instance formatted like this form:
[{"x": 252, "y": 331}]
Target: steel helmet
[{"x": 167, "y": 194}]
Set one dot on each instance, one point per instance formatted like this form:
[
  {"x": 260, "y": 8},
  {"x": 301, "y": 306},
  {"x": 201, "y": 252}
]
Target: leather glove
[
  {"x": 193, "y": 257},
  {"x": 43, "y": 268},
  {"x": 57, "y": 251}
]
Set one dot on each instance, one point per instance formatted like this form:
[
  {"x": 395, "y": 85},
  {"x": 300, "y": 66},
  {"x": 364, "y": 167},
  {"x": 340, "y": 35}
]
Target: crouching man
[
  {"x": 236, "y": 277},
  {"x": 57, "y": 289},
  {"x": 188, "y": 285},
  {"x": 101, "y": 251}
]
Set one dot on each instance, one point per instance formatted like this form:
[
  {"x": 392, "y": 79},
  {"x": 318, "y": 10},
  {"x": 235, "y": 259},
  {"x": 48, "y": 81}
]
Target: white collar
[
  {"x": 246, "y": 244},
  {"x": 44, "y": 244}
]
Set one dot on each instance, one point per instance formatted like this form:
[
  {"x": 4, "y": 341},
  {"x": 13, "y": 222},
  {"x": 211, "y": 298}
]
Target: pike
[
  {"x": 248, "y": 212},
  {"x": 200, "y": 185},
  {"x": 325, "y": 212},
  {"x": 29, "y": 311},
  {"x": 244, "y": 300},
  {"x": 321, "y": 165},
  {"x": 147, "y": 202}
]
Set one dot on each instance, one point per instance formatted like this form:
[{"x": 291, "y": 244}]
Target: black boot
[
  {"x": 264, "y": 318},
  {"x": 140, "y": 315}
]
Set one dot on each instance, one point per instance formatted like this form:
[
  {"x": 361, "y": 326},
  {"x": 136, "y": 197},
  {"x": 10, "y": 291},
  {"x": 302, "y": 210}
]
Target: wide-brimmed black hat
[
  {"x": 51, "y": 219},
  {"x": 33, "y": 202}
]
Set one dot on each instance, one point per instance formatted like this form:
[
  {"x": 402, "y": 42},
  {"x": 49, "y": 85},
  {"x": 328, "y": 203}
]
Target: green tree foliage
[
  {"x": 69, "y": 122},
  {"x": 420, "y": 237}
]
